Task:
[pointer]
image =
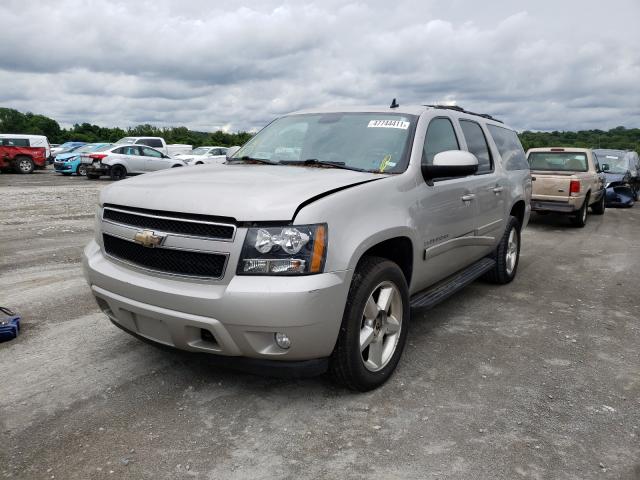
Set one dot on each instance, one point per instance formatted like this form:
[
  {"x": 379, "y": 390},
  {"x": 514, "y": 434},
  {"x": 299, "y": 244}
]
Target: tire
[
  {"x": 23, "y": 165},
  {"x": 199, "y": 163},
  {"x": 579, "y": 219},
  {"x": 599, "y": 208},
  {"x": 92, "y": 176},
  {"x": 118, "y": 172},
  {"x": 507, "y": 255},
  {"x": 81, "y": 171},
  {"x": 348, "y": 365},
  {"x": 176, "y": 165}
]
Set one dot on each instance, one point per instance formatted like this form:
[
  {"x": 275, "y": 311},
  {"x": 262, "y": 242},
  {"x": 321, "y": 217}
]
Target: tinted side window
[
  {"x": 440, "y": 137},
  {"x": 477, "y": 144},
  {"x": 121, "y": 150},
  {"x": 510, "y": 148},
  {"x": 153, "y": 142},
  {"x": 15, "y": 142}
]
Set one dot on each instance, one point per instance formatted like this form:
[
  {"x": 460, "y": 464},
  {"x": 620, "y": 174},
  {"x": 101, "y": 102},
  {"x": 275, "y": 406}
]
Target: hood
[
  {"x": 615, "y": 177},
  {"x": 68, "y": 155},
  {"x": 245, "y": 192}
]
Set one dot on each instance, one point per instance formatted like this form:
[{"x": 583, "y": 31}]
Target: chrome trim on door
[{"x": 464, "y": 241}]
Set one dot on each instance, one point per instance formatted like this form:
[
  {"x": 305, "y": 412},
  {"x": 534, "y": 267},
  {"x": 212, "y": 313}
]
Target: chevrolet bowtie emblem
[{"x": 148, "y": 239}]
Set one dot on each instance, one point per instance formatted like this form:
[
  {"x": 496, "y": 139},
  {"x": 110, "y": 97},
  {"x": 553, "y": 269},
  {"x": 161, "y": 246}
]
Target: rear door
[
  {"x": 488, "y": 187},
  {"x": 134, "y": 159}
]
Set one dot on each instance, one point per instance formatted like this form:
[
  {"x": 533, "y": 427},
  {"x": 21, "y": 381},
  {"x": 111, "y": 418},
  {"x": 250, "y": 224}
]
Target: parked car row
[{"x": 571, "y": 180}]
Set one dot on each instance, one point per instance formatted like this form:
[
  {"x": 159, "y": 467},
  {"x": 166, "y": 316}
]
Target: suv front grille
[
  {"x": 166, "y": 223},
  {"x": 164, "y": 260}
]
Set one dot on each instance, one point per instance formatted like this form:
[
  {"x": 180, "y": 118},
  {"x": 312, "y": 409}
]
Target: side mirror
[
  {"x": 452, "y": 163},
  {"x": 231, "y": 151},
  {"x": 605, "y": 167}
]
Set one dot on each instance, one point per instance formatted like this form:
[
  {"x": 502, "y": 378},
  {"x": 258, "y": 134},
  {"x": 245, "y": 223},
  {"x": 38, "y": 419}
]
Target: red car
[{"x": 23, "y": 153}]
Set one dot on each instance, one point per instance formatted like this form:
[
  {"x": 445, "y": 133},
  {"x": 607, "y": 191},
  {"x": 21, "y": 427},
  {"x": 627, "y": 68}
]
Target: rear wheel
[
  {"x": 507, "y": 255},
  {"x": 580, "y": 217},
  {"x": 24, "y": 165},
  {"x": 118, "y": 172},
  {"x": 598, "y": 208},
  {"x": 82, "y": 170},
  {"x": 374, "y": 326}
]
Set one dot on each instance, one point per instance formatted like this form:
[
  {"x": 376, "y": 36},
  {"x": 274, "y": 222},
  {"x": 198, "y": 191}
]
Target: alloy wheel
[{"x": 381, "y": 326}]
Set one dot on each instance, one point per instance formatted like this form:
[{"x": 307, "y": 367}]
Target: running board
[{"x": 443, "y": 290}]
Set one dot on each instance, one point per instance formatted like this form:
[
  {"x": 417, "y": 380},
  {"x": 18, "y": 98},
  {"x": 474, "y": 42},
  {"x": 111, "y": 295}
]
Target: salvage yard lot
[{"x": 536, "y": 379}]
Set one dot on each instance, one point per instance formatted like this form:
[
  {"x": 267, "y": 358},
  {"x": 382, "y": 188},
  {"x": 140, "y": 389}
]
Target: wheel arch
[
  {"x": 519, "y": 210},
  {"x": 398, "y": 249}
]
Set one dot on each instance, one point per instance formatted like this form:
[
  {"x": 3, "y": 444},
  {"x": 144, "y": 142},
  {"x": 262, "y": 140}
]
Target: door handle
[
  {"x": 468, "y": 197},
  {"x": 498, "y": 189}
]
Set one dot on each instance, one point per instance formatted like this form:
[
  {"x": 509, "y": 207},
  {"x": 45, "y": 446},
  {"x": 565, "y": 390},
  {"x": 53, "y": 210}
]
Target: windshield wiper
[
  {"x": 247, "y": 158},
  {"x": 324, "y": 163}
]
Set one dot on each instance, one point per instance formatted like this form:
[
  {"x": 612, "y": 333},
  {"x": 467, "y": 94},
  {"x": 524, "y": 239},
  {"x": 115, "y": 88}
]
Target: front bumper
[
  {"x": 619, "y": 196},
  {"x": 63, "y": 167},
  {"x": 238, "y": 318}
]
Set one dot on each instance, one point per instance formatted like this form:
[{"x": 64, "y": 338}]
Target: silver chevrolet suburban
[{"x": 308, "y": 247}]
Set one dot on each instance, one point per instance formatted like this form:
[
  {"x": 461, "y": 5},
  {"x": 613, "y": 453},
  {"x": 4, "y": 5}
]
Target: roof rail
[{"x": 462, "y": 110}]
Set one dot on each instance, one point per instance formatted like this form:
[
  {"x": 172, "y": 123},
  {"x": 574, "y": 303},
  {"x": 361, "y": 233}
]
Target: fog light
[{"x": 282, "y": 339}]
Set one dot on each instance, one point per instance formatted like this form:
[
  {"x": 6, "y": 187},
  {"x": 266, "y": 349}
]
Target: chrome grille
[
  {"x": 164, "y": 260},
  {"x": 182, "y": 224}
]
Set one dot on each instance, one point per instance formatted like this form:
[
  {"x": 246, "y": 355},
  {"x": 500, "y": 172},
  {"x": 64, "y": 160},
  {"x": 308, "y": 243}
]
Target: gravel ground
[{"x": 539, "y": 379}]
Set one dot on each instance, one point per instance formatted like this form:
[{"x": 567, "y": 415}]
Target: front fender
[{"x": 362, "y": 216}]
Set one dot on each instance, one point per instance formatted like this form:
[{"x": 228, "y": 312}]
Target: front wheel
[
  {"x": 374, "y": 326},
  {"x": 82, "y": 170},
  {"x": 507, "y": 255}
]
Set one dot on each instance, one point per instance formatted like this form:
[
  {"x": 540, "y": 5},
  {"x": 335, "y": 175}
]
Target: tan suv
[{"x": 566, "y": 180}]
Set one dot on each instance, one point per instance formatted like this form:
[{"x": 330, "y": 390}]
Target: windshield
[
  {"x": 89, "y": 148},
  {"x": 558, "y": 161},
  {"x": 200, "y": 151},
  {"x": 373, "y": 142},
  {"x": 616, "y": 164},
  {"x": 125, "y": 141}
]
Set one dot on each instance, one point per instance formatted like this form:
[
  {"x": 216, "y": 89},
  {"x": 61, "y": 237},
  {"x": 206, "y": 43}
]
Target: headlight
[{"x": 286, "y": 250}]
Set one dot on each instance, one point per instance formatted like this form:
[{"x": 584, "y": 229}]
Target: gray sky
[{"x": 541, "y": 65}]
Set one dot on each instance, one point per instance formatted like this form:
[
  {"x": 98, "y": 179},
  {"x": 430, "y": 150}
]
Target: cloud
[{"x": 208, "y": 65}]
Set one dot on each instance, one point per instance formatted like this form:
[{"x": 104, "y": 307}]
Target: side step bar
[{"x": 441, "y": 291}]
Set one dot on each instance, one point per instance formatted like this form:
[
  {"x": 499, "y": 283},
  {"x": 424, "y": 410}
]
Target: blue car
[
  {"x": 68, "y": 163},
  {"x": 622, "y": 187},
  {"x": 64, "y": 148}
]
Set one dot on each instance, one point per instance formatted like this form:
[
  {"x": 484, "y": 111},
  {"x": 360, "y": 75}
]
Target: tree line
[{"x": 13, "y": 121}]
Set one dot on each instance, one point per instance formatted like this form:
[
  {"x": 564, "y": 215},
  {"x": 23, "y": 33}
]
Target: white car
[
  {"x": 158, "y": 143},
  {"x": 202, "y": 155},
  {"x": 118, "y": 161}
]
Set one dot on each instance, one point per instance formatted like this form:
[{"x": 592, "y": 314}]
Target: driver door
[
  {"x": 445, "y": 212},
  {"x": 154, "y": 160}
]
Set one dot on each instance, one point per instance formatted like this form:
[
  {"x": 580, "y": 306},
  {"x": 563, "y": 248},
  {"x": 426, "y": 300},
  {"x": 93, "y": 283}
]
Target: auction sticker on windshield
[{"x": 388, "y": 124}]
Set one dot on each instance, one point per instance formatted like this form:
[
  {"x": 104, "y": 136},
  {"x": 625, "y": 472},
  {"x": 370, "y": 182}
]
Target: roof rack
[{"x": 462, "y": 110}]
